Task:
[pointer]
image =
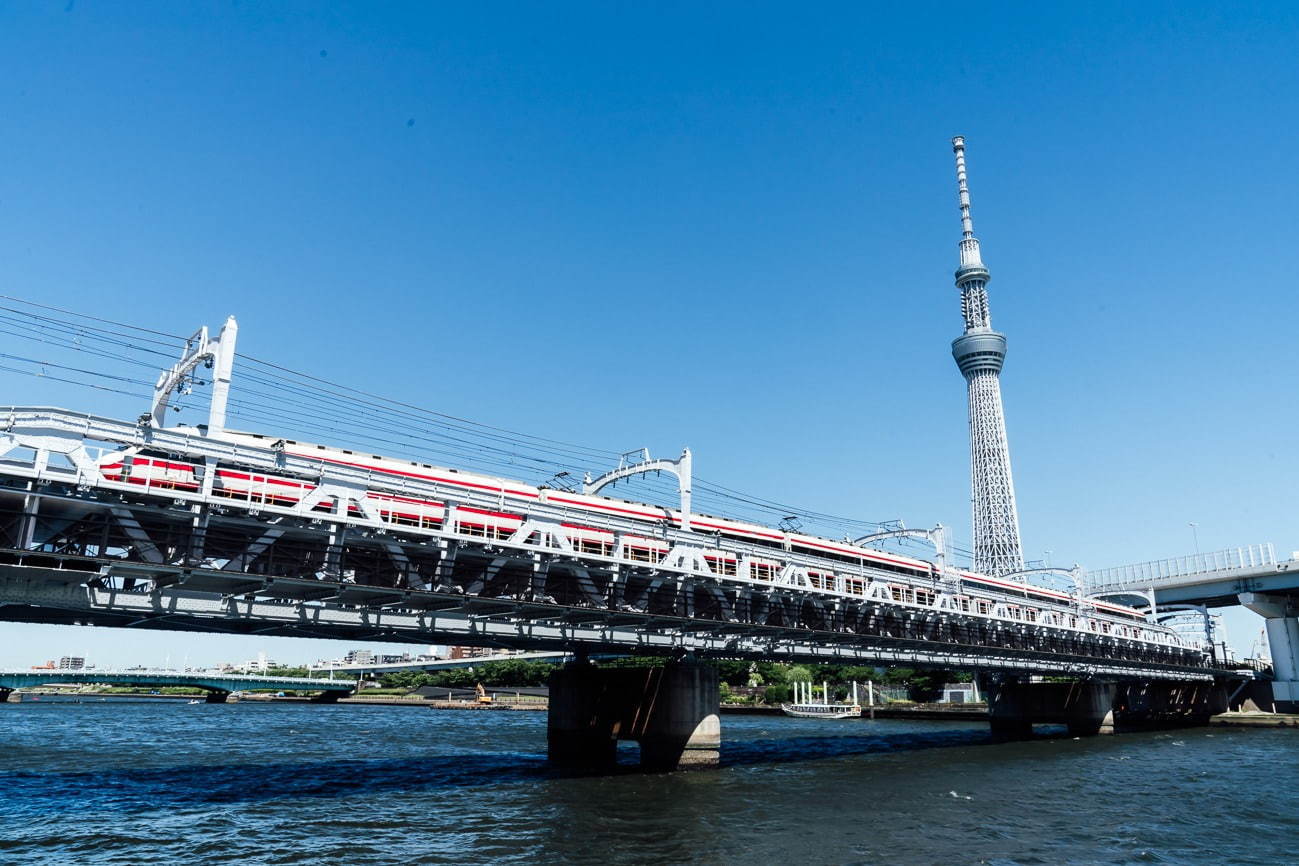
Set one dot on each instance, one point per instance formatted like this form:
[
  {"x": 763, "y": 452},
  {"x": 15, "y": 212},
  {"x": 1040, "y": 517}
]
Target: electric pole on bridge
[{"x": 980, "y": 353}]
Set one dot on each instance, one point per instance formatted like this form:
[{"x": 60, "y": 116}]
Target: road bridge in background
[
  {"x": 1251, "y": 576},
  {"x": 218, "y": 685}
]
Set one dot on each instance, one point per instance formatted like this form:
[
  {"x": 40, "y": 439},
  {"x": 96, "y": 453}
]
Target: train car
[{"x": 842, "y": 568}]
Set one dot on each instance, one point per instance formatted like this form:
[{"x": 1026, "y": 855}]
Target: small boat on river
[
  {"x": 822, "y": 711},
  {"x": 805, "y": 705}
]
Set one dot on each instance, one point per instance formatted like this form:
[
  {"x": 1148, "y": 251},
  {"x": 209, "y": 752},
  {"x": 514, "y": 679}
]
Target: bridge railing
[{"x": 1169, "y": 572}]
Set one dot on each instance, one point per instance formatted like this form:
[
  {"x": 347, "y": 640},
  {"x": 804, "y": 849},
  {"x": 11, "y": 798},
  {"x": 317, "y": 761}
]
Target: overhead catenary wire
[{"x": 287, "y": 399}]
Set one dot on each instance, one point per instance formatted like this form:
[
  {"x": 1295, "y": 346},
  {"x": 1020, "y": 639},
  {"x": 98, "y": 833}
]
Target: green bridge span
[{"x": 217, "y": 685}]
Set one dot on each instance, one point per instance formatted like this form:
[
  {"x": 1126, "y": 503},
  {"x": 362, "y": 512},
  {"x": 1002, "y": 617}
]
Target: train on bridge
[
  {"x": 315, "y": 537},
  {"x": 840, "y": 569}
]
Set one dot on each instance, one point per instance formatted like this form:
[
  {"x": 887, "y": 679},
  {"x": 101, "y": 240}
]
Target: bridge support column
[
  {"x": 1280, "y": 613},
  {"x": 671, "y": 711},
  {"x": 1086, "y": 708},
  {"x": 216, "y": 697},
  {"x": 577, "y": 732},
  {"x": 683, "y": 728}
]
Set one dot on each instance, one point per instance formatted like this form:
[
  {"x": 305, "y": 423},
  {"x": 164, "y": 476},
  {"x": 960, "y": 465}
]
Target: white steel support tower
[{"x": 980, "y": 353}]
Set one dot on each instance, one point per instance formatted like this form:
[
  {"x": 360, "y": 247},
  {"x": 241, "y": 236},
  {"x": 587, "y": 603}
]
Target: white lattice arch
[
  {"x": 936, "y": 537},
  {"x": 629, "y": 465}
]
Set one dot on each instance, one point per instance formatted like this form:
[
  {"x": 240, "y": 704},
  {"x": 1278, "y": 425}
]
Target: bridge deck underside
[{"x": 107, "y": 557}]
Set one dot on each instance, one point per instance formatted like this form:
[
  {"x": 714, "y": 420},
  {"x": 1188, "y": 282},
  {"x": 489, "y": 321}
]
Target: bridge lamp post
[{"x": 1195, "y": 534}]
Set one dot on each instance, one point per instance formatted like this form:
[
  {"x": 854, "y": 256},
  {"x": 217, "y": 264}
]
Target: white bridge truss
[{"x": 77, "y": 546}]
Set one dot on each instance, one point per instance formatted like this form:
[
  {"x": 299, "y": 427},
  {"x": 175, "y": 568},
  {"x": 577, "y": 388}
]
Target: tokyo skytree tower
[{"x": 980, "y": 352}]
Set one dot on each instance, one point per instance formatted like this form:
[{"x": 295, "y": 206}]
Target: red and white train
[{"x": 842, "y": 572}]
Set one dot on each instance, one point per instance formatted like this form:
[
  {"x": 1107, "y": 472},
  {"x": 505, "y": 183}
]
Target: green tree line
[{"x": 774, "y": 677}]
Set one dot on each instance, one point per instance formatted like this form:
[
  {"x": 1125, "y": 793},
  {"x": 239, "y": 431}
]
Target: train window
[
  {"x": 587, "y": 545},
  {"x": 640, "y": 554},
  {"x": 721, "y": 565}
]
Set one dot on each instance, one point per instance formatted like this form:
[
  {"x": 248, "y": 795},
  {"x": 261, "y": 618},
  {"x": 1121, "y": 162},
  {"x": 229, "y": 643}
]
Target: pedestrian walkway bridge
[
  {"x": 216, "y": 684},
  {"x": 1214, "y": 579}
]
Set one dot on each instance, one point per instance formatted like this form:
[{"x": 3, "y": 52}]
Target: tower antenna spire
[
  {"x": 963, "y": 187},
  {"x": 980, "y": 353}
]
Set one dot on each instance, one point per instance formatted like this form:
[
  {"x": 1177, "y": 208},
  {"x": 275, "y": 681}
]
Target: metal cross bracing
[{"x": 322, "y": 547}]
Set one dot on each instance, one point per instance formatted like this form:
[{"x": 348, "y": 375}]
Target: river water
[{"x": 250, "y": 783}]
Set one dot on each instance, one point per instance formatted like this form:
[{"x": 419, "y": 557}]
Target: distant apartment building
[
  {"x": 72, "y": 663},
  {"x": 259, "y": 665},
  {"x": 359, "y": 657},
  {"x": 476, "y": 652}
]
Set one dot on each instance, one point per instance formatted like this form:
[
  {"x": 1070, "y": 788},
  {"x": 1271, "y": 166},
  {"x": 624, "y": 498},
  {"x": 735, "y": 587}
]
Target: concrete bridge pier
[
  {"x": 216, "y": 697},
  {"x": 671, "y": 711},
  {"x": 1282, "y": 622},
  {"x": 578, "y": 733},
  {"x": 1014, "y": 706}
]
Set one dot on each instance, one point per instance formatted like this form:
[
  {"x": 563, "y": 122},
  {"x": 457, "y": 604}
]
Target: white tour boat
[{"x": 806, "y": 707}]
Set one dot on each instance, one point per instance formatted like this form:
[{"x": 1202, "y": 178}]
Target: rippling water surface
[{"x": 168, "y": 782}]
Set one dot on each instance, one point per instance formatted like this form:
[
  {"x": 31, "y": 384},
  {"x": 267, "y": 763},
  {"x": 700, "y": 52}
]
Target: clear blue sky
[{"x": 732, "y": 228}]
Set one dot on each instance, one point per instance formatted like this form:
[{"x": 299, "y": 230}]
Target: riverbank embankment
[{"x": 1256, "y": 720}]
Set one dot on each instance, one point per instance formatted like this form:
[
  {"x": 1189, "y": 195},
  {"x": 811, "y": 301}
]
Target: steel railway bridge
[
  {"x": 79, "y": 548},
  {"x": 178, "y": 550}
]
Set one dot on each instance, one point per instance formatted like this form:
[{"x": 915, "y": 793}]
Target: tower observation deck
[{"x": 980, "y": 353}]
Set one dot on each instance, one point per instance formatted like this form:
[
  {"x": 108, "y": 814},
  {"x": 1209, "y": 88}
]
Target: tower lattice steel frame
[{"x": 980, "y": 353}]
